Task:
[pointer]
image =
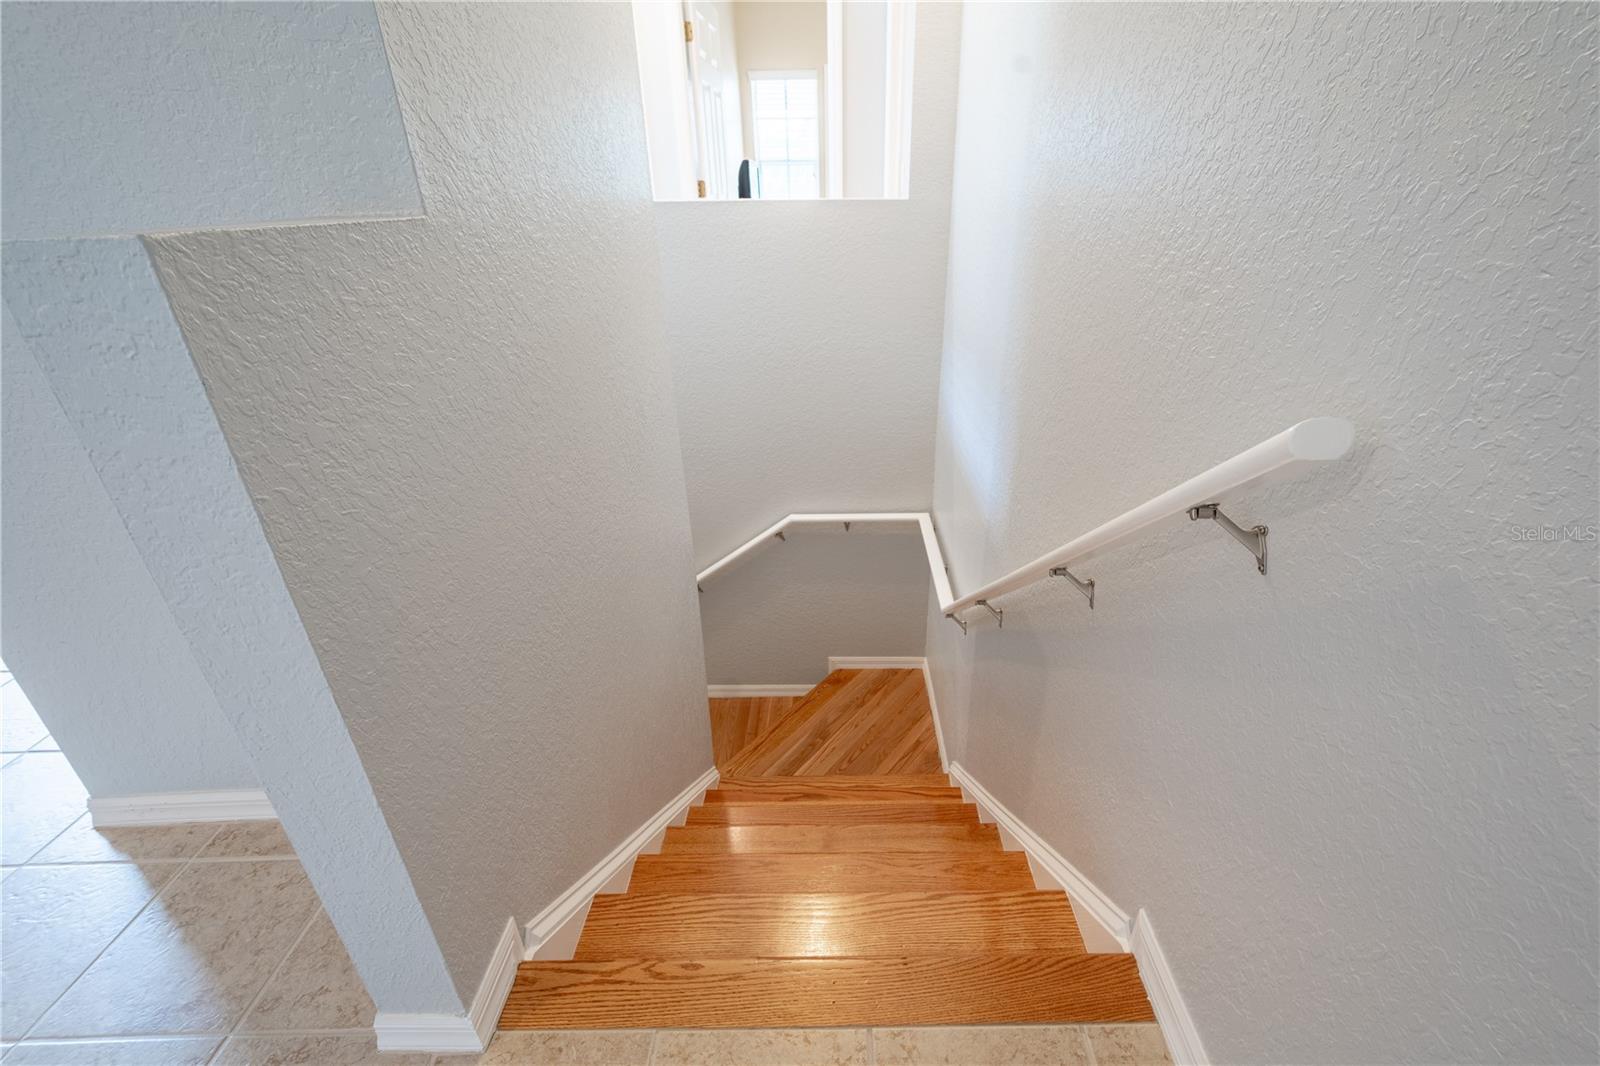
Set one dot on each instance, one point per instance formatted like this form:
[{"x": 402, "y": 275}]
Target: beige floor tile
[
  {"x": 54, "y": 920},
  {"x": 1127, "y": 1045},
  {"x": 195, "y": 958},
  {"x": 20, "y": 728},
  {"x": 162, "y": 1051},
  {"x": 351, "y": 1050},
  {"x": 316, "y": 988},
  {"x": 560, "y": 1047},
  {"x": 42, "y": 796},
  {"x": 84, "y": 843},
  {"x": 989, "y": 1045},
  {"x": 761, "y": 1047},
  {"x": 256, "y": 840}
]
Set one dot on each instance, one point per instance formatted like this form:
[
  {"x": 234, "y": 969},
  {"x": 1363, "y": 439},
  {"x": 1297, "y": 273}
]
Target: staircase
[{"x": 833, "y": 878}]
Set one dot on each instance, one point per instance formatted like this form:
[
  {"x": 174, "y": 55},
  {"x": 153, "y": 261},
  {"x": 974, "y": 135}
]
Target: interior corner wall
[
  {"x": 804, "y": 338},
  {"x": 272, "y": 112},
  {"x": 94, "y": 314},
  {"x": 1358, "y": 795},
  {"x": 459, "y": 434},
  {"x": 72, "y": 580}
]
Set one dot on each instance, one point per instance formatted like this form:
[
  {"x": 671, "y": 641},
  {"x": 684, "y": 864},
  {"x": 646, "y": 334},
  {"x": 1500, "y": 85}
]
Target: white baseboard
[
  {"x": 1050, "y": 870},
  {"x": 933, "y": 708},
  {"x": 722, "y": 692},
  {"x": 167, "y": 808},
  {"x": 553, "y": 934},
  {"x": 857, "y": 662},
  {"x": 449, "y": 1033},
  {"x": 438, "y": 1033},
  {"x": 1183, "y": 1039}
]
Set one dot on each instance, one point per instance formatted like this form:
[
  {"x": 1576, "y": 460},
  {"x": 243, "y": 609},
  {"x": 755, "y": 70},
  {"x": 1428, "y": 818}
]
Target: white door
[{"x": 713, "y": 88}]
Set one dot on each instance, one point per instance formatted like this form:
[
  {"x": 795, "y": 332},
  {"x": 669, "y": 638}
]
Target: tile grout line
[
  {"x": 233, "y": 1031},
  {"x": 186, "y": 1034},
  {"x": 655, "y": 1038},
  {"x": 1088, "y": 1046},
  {"x": 40, "y": 849},
  {"x": 198, "y": 860},
  {"x": 872, "y": 1047},
  {"x": 163, "y": 890}
]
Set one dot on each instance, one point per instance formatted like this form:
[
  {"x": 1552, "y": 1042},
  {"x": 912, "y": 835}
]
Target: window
[{"x": 783, "y": 113}]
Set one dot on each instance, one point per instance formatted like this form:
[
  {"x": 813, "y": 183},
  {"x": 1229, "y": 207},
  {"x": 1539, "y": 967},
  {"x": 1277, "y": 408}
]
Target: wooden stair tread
[
  {"x": 846, "y": 793},
  {"x": 830, "y": 812},
  {"x": 899, "y": 872},
  {"x": 869, "y": 838},
  {"x": 1066, "y": 988},
  {"x": 828, "y": 924},
  {"x": 854, "y": 782}
]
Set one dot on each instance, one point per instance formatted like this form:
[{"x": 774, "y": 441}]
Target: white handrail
[
  {"x": 1292, "y": 452},
  {"x": 787, "y": 522}
]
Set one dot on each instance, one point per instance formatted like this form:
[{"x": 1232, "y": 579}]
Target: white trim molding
[
  {"x": 438, "y": 1033},
  {"x": 933, "y": 709},
  {"x": 1050, "y": 870},
  {"x": 450, "y": 1033},
  {"x": 1183, "y": 1039},
  {"x": 723, "y": 692},
  {"x": 553, "y": 933},
  {"x": 168, "y": 808},
  {"x": 861, "y": 662}
]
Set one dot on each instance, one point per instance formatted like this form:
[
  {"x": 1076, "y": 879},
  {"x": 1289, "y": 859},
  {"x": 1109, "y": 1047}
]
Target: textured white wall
[
  {"x": 136, "y": 713},
  {"x": 1357, "y": 796},
  {"x": 459, "y": 434},
  {"x": 805, "y": 352},
  {"x": 131, "y": 117},
  {"x": 775, "y": 617}
]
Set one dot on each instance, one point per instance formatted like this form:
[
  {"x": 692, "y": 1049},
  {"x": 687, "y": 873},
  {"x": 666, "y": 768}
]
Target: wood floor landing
[
  {"x": 738, "y": 720},
  {"x": 854, "y": 722}
]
